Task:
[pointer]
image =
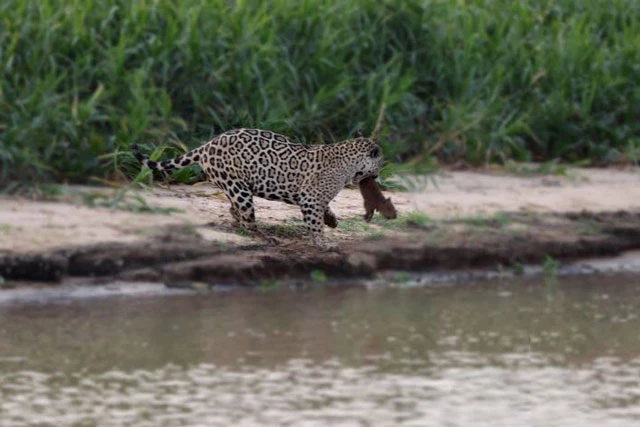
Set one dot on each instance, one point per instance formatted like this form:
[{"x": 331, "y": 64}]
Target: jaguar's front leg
[
  {"x": 313, "y": 215},
  {"x": 330, "y": 219}
]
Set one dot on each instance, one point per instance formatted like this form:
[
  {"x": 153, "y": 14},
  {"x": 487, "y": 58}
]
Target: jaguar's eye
[{"x": 375, "y": 152}]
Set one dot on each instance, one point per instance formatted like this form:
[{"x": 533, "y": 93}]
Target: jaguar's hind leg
[{"x": 243, "y": 210}]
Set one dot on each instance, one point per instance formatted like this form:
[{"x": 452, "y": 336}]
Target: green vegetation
[
  {"x": 125, "y": 199},
  {"x": 485, "y": 80},
  {"x": 288, "y": 228},
  {"x": 318, "y": 276},
  {"x": 497, "y": 220},
  {"x": 270, "y": 284},
  {"x": 550, "y": 267},
  {"x": 517, "y": 268},
  {"x": 241, "y": 230},
  {"x": 401, "y": 277},
  {"x": 354, "y": 223},
  {"x": 415, "y": 219},
  {"x": 405, "y": 222},
  {"x": 374, "y": 235},
  {"x": 550, "y": 277}
]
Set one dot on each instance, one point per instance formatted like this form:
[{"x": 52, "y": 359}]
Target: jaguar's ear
[{"x": 358, "y": 134}]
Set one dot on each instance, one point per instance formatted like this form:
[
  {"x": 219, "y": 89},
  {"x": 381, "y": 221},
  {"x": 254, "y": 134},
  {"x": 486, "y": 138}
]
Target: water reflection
[{"x": 483, "y": 354}]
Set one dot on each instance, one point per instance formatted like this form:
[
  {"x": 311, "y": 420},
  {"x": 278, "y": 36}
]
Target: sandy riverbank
[{"x": 467, "y": 219}]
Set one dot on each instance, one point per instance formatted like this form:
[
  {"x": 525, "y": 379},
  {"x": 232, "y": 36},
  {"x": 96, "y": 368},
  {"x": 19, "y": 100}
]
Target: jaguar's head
[{"x": 368, "y": 157}]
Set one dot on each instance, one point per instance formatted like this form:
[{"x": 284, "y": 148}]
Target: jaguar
[{"x": 247, "y": 163}]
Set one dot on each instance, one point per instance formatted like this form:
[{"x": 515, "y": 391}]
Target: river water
[{"x": 496, "y": 353}]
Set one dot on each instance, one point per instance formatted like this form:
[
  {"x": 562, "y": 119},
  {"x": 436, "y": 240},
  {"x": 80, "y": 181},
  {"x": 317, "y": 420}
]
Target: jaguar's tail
[{"x": 166, "y": 165}]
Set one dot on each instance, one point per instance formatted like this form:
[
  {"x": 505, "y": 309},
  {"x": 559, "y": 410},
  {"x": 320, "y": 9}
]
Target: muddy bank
[{"x": 182, "y": 255}]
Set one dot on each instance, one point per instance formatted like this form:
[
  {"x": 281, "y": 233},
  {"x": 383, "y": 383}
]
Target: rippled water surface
[{"x": 498, "y": 354}]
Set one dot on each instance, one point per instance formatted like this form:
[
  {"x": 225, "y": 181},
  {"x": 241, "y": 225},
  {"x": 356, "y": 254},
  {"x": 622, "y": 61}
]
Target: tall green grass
[{"x": 482, "y": 80}]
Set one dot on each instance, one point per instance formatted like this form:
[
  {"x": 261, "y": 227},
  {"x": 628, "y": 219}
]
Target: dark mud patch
[{"x": 180, "y": 255}]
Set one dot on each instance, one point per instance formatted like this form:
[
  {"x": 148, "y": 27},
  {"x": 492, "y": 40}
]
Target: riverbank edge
[{"x": 510, "y": 241}]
